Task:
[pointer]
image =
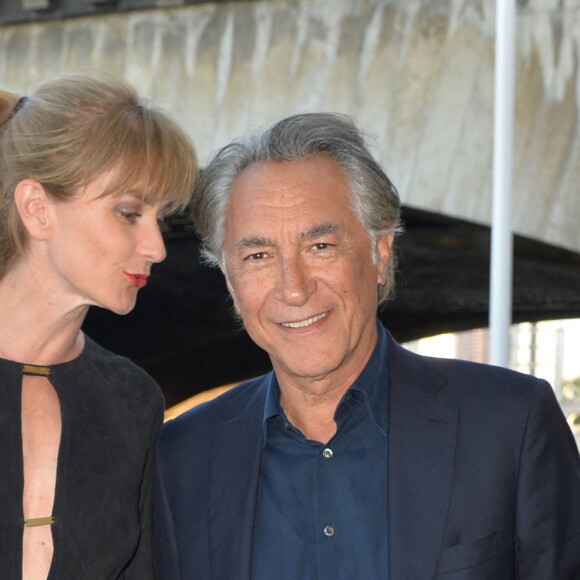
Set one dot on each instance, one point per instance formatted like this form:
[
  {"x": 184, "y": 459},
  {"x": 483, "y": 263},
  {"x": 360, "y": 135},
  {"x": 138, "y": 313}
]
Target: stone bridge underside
[{"x": 417, "y": 75}]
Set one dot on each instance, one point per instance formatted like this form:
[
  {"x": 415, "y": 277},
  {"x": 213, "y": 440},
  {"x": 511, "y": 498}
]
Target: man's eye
[
  {"x": 257, "y": 256},
  {"x": 321, "y": 246}
]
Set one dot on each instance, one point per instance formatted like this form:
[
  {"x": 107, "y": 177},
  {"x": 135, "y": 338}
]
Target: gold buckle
[
  {"x": 31, "y": 522},
  {"x": 35, "y": 370}
]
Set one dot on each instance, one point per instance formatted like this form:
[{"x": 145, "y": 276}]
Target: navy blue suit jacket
[{"x": 483, "y": 478}]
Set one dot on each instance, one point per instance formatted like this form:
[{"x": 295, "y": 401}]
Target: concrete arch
[{"x": 417, "y": 75}]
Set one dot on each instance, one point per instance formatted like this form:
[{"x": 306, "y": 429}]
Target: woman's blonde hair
[{"x": 78, "y": 127}]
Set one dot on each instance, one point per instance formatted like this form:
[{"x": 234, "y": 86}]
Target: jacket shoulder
[
  {"x": 247, "y": 398},
  {"x": 456, "y": 374}
]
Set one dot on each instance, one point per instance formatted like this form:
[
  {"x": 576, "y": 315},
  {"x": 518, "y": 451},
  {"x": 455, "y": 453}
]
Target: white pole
[{"x": 500, "y": 312}]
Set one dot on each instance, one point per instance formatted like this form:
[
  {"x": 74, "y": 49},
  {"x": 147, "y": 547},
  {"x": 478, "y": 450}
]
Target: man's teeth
[{"x": 303, "y": 323}]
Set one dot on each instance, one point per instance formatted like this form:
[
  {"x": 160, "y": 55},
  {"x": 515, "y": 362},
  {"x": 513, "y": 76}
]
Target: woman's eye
[{"x": 130, "y": 216}]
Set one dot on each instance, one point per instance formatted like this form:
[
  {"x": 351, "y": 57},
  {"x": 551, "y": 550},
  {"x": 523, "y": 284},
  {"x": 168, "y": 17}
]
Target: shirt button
[
  {"x": 328, "y": 531},
  {"x": 327, "y": 453}
]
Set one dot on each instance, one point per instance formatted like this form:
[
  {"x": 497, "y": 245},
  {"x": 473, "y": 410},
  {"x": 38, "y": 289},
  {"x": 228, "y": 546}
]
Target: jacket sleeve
[
  {"x": 142, "y": 566},
  {"x": 548, "y": 494},
  {"x": 165, "y": 537}
]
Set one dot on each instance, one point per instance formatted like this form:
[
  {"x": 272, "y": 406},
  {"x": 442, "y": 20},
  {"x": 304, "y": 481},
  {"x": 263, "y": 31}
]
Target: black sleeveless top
[{"x": 110, "y": 412}]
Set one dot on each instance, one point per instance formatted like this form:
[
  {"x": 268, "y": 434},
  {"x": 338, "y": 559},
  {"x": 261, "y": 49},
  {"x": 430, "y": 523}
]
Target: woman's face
[{"x": 101, "y": 248}]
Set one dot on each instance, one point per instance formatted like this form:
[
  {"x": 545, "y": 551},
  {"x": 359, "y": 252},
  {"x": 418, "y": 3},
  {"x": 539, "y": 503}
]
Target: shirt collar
[{"x": 372, "y": 384}]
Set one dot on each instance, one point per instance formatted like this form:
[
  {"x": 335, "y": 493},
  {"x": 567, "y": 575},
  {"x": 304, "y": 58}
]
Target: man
[{"x": 354, "y": 458}]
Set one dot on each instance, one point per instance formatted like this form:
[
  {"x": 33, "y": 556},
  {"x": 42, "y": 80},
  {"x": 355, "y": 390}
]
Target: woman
[{"x": 86, "y": 174}]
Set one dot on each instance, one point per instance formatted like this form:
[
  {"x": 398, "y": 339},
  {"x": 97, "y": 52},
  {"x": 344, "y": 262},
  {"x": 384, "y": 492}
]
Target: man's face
[{"x": 298, "y": 265}]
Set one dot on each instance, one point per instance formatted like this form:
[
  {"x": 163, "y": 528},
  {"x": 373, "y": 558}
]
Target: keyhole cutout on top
[{"x": 41, "y": 431}]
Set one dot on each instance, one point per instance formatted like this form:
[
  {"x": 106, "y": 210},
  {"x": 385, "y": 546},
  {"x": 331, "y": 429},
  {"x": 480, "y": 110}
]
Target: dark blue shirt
[{"x": 322, "y": 508}]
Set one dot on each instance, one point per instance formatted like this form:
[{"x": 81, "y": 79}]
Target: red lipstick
[{"x": 137, "y": 280}]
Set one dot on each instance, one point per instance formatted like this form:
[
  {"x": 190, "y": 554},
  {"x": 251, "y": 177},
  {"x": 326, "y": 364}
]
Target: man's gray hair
[{"x": 375, "y": 200}]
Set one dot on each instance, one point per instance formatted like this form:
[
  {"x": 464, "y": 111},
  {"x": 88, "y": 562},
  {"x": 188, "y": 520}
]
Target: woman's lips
[{"x": 137, "y": 280}]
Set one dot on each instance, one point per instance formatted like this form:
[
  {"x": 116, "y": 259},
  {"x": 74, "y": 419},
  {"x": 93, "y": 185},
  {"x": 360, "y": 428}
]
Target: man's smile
[{"x": 306, "y": 322}]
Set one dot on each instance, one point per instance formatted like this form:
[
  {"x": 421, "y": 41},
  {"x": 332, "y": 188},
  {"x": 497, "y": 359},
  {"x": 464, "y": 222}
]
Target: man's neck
[
  {"x": 311, "y": 412},
  {"x": 310, "y": 402}
]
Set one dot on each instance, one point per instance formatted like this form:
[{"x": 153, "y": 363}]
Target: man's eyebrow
[
  {"x": 319, "y": 230},
  {"x": 309, "y": 234},
  {"x": 253, "y": 243}
]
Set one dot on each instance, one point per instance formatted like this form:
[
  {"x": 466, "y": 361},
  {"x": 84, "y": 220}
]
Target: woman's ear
[
  {"x": 32, "y": 203},
  {"x": 384, "y": 244}
]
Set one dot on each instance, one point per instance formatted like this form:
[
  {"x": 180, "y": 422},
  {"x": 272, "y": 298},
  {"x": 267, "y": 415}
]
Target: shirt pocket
[{"x": 488, "y": 557}]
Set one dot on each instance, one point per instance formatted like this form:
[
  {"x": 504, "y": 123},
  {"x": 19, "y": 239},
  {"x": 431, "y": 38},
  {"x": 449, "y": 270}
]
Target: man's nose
[{"x": 294, "y": 283}]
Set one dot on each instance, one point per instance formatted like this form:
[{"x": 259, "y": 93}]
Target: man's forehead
[{"x": 281, "y": 175}]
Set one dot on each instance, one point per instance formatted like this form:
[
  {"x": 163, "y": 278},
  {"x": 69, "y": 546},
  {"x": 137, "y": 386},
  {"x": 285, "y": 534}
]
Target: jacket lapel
[
  {"x": 234, "y": 484},
  {"x": 422, "y": 434}
]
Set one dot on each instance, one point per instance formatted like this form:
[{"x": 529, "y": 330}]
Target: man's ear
[
  {"x": 384, "y": 244},
  {"x": 32, "y": 203},
  {"x": 230, "y": 288}
]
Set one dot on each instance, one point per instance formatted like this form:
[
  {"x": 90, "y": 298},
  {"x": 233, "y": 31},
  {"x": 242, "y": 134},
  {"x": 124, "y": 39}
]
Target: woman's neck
[{"x": 37, "y": 327}]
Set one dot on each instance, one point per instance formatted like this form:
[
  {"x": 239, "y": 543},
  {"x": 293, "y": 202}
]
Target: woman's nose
[{"x": 152, "y": 245}]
